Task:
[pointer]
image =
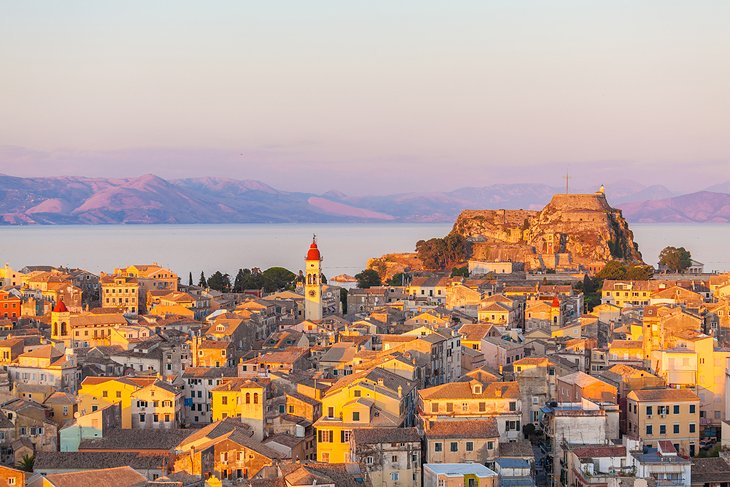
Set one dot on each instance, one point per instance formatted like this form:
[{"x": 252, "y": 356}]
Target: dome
[
  {"x": 556, "y": 302},
  {"x": 313, "y": 253},
  {"x": 60, "y": 307}
]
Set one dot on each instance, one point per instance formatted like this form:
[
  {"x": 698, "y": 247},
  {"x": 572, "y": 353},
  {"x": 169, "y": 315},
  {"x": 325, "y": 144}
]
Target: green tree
[
  {"x": 26, "y": 463},
  {"x": 323, "y": 278},
  {"x": 396, "y": 280},
  {"x": 343, "y": 300},
  {"x": 640, "y": 272},
  {"x": 202, "y": 282},
  {"x": 441, "y": 253},
  {"x": 220, "y": 282},
  {"x": 613, "y": 270},
  {"x": 367, "y": 278},
  {"x": 239, "y": 280},
  {"x": 190, "y": 279},
  {"x": 676, "y": 259},
  {"x": 277, "y": 279},
  {"x": 460, "y": 272}
]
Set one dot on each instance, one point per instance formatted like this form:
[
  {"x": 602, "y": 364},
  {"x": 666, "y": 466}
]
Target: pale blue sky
[{"x": 394, "y": 95}]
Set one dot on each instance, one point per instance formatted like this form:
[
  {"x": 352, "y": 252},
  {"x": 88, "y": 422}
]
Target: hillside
[
  {"x": 151, "y": 199},
  {"x": 700, "y": 207}
]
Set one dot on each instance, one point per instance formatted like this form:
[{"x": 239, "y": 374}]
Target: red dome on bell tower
[
  {"x": 60, "y": 307},
  {"x": 313, "y": 253},
  {"x": 556, "y": 302}
]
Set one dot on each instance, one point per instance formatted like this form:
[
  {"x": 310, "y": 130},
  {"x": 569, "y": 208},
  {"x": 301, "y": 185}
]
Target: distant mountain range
[{"x": 151, "y": 199}]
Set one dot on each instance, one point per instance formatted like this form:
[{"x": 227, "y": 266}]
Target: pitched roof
[
  {"x": 650, "y": 395},
  {"x": 581, "y": 379},
  {"x": 133, "y": 439},
  {"x": 597, "y": 451},
  {"x": 463, "y": 390},
  {"x": 118, "y": 477},
  {"x": 91, "y": 460},
  {"x": 371, "y": 436},
  {"x": 473, "y": 428}
]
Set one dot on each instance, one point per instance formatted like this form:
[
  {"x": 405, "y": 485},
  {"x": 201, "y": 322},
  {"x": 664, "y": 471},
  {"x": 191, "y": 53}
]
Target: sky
[{"x": 368, "y": 97}]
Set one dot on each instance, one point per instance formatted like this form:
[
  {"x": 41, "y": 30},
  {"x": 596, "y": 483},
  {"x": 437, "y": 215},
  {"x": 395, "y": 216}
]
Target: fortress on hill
[{"x": 573, "y": 231}]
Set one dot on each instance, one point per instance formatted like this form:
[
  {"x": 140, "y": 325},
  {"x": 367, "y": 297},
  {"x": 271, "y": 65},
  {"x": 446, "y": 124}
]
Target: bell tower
[
  {"x": 60, "y": 322},
  {"x": 313, "y": 283}
]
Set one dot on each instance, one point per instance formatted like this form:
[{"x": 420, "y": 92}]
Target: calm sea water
[{"x": 345, "y": 247}]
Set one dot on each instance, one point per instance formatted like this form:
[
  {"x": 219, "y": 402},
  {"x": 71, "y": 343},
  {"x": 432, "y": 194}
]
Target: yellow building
[
  {"x": 626, "y": 351},
  {"x": 627, "y": 293},
  {"x": 120, "y": 292},
  {"x": 428, "y": 318},
  {"x": 695, "y": 362},
  {"x": 63, "y": 406},
  {"x": 472, "y": 335},
  {"x": 156, "y": 406},
  {"x": 99, "y": 392},
  {"x": 673, "y": 415},
  {"x": 150, "y": 277},
  {"x": 473, "y": 400},
  {"x": 241, "y": 398},
  {"x": 10, "y": 277},
  {"x": 368, "y": 399}
]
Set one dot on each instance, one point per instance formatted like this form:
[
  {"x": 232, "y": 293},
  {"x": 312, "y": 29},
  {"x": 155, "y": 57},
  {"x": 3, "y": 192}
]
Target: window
[
  {"x": 676, "y": 409},
  {"x": 248, "y": 398},
  {"x": 649, "y": 410},
  {"x": 119, "y": 394},
  {"x": 224, "y": 400},
  {"x": 469, "y": 446},
  {"x": 356, "y": 416},
  {"x": 454, "y": 446},
  {"x": 357, "y": 393},
  {"x": 464, "y": 407},
  {"x": 394, "y": 476},
  {"x": 676, "y": 429},
  {"x": 437, "y": 446},
  {"x": 482, "y": 407},
  {"x": 369, "y": 460},
  {"x": 434, "y": 407},
  {"x": 691, "y": 427},
  {"x": 662, "y": 429},
  {"x": 104, "y": 393},
  {"x": 490, "y": 445},
  {"x": 141, "y": 417},
  {"x": 155, "y": 418},
  {"x": 513, "y": 406},
  {"x": 291, "y": 409},
  {"x": 442, "y": 483},
  {"x": 649, "y": 429},
  {"x": 691, "y": 409},
  {"x": 449, "y": 407},
  {"x": 330, "y": 412}
]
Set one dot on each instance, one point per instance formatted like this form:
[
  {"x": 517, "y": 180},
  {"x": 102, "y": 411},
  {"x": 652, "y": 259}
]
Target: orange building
[{"x": 9, "y": 306}]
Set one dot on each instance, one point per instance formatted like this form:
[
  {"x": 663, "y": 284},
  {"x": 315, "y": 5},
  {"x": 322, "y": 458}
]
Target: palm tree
[{"x": 26, "y": 463}]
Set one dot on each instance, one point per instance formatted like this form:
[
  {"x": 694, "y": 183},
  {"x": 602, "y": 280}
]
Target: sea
[{"x": 346, "y": 248}]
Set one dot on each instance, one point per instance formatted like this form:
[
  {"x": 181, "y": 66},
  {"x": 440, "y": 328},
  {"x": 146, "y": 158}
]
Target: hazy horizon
[{"x": 378, "y": 98}]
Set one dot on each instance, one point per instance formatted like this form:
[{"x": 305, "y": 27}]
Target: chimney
[{"x": 380, "y": 381}]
